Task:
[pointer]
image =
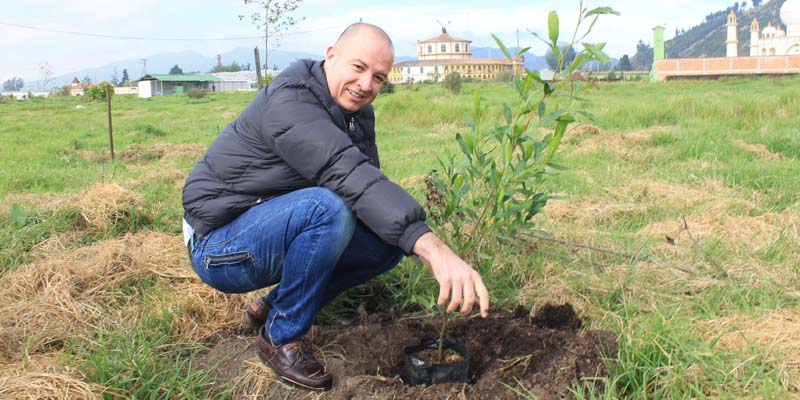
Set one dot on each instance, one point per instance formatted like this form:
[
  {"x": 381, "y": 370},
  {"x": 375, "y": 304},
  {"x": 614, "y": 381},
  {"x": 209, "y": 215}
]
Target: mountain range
[{"x": 193, "y": 62}]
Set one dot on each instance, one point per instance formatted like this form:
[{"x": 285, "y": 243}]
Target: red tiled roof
[{"x": 444, "y": 37}]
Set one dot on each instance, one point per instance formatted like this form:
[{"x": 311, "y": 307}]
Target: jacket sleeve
[{"x": 303, "y": 134}]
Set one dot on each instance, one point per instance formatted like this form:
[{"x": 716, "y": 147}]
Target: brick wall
[{"x": 686, "y": 67}]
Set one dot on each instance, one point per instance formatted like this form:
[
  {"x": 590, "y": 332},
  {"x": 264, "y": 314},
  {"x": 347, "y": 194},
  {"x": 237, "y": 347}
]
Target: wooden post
[
  {"x": 110, "y": 128},
  {"x": 258, "y": 68}
]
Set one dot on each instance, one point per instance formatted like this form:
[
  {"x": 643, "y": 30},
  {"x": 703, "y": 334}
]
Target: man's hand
[{"x": 457, "y": 280}]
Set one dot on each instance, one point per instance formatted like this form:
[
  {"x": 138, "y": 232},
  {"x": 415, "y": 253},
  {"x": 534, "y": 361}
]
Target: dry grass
[
  {"x": 40, "y": 378},
  {"x": 67, "y": 294},
  {"x": 139, "y": 153},
  {"x": 777, "y": 333},
  {"x": 757, "y": 149},
  {"x": 106, "y": 204}
]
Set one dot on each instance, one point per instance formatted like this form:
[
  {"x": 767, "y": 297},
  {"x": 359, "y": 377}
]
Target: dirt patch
[
  {"x": 758, "y": 149},
  {"x": 545, "y": 355}
]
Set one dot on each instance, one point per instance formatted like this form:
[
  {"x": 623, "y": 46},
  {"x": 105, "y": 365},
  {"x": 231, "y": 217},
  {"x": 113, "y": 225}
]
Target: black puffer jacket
[{"x": 294, "y": 136}]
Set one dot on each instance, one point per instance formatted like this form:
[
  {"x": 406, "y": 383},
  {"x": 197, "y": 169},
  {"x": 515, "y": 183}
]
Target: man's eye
[{"x": 358, "y": 67}]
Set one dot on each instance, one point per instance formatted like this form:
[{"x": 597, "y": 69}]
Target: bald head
[
  {"x": 359, "y": 30},
  {"x": 357, "y": 65}
]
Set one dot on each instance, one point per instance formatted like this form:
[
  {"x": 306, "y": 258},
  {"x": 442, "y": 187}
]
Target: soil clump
[{"x": 543, "y": 353}]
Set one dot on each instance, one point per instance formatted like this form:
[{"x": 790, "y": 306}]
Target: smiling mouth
[{"x": 358, "y": 95}]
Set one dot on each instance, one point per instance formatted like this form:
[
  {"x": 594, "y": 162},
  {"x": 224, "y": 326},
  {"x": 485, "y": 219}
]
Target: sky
[{"x": 142, "y": 28}]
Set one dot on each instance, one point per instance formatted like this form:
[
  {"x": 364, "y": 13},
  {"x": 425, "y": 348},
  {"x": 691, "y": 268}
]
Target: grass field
[{"x": 680, "y": 232}]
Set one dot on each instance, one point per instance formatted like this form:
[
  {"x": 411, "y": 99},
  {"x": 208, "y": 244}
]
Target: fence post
[{"x": 110, "y": 128}]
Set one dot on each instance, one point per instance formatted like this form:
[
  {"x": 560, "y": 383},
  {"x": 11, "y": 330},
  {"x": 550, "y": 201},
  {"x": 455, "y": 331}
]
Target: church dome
[{"x": 790, "y": 15}]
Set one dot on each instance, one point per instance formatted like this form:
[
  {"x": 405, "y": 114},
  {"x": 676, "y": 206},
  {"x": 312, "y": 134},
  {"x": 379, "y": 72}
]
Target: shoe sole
[{"x": 287, "y": 380}]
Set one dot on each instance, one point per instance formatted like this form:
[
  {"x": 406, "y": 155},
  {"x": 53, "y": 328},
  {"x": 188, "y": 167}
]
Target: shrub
[
  {"x": 452, "y": 82},
  {"x": 504, "y": 76},
  {"x": 387, "y": 88},
  {"x": 98, "y": 91},
  {"x": 196, "y": 93}
]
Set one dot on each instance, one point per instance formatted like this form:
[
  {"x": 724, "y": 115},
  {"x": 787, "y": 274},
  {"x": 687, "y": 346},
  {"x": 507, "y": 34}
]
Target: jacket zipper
[{"x": 352, "y": 124}]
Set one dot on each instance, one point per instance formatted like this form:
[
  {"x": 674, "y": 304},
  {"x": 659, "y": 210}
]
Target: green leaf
[
  {"x": 601, "y": 11},
  {"x": 502, "y": 46},
  {"x": 17, "y": 215},
  {"x": 507, "y": 112},
  {"x": 552, "y": 27},
  {"x": 557, "y": 167},
  {"x": 597, "y": 52},
  {"x": 523, "y": 51}
]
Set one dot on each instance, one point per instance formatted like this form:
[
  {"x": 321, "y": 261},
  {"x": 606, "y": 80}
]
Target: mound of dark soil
[{"x": 545, "y": 355}]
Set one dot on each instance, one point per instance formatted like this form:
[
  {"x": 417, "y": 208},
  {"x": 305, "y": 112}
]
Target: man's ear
[{"x": 330, "y": 54}]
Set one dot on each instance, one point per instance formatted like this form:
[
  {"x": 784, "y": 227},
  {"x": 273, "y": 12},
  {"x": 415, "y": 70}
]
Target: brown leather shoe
[
  {"x": 257, "y": 313},
  {"x": 294, "y": 363}
]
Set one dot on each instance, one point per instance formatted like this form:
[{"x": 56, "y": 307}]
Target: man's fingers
[
  {"x": 483, "y": 296},
  {"x": 469, "y": 297},
  {"x": 444, "y": 292},
  {"x": 456, "y": 300}
]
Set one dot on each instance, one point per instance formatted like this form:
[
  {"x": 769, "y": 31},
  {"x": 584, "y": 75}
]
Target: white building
[
  {"x": 773, "y": 40},
  {"x": 445, "y": 54}
]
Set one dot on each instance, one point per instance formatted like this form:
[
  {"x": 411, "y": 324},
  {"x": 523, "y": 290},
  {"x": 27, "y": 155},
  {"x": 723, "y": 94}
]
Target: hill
[{"x": 708, "y": 38}]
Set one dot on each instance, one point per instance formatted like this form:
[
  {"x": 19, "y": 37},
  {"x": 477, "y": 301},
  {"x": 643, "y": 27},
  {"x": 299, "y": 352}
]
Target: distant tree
[
  {"x": 126, "y": 80},
  {"x": 274, "y": 16},
  {"x": 234, "y": 67},
  {"x": 114, "y": 77},
  {"x": 552, "y": 61},
  {"x": 624, "y": 63},
  {"x": 756, "y": 3},
  {"x": 643, "y": 59},
  {"x": 14, "y": 84},
  {"x": 47, "y": 74},
  {"x": 86, "y": 80},
  {"x": 176, "y": 70},
  {"x": 452, "y": 82}
]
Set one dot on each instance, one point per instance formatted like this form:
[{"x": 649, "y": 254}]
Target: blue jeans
[{"x": 308, "y": 241}]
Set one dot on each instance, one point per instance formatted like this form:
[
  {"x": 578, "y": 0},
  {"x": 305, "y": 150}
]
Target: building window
[
  {"x": 443, "y": 48},
  {"x": 430, "y": 48},
  {"x": 772, "y": 51},
  {"x": 408, "y": 70},
  {"x": 420, "y": 70},
  {"x": 436, "y": 69},
  {"x": 457, "y": 49}
]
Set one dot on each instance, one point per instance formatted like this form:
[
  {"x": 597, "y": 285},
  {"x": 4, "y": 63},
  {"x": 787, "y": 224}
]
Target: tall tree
[
  {"x": 176, "y": 70},
  {"x": 86, "y": 80},
  {"x": 14, "y": 84},
  {"x": 125, "y": 78},
  {"x": 756, "y": 3},
  {"x": 47, "y": 74},
  {"x": 624, "y": 63},
  {"x": 273, "y": 17},
  {"x": 115, "y": 77},
  {"x": 643, "y": 59}
]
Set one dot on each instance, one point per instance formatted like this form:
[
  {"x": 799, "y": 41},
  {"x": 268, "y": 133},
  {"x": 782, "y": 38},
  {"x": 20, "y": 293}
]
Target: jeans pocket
[
  {"x": 223, "y": 260},
  {"x": 231, "y": 272}
]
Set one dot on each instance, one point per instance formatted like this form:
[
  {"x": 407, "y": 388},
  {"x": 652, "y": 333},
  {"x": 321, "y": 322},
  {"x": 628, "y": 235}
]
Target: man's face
[{"x": 356, "y": 70}]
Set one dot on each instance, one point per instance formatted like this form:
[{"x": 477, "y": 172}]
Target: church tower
[
  {"x": 733, "y": 41},
  {"x": 755, "y": 34}
]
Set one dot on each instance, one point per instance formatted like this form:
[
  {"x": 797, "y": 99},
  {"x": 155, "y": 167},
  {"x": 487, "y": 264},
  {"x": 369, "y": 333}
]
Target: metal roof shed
[{"x": 165, "y": 85}]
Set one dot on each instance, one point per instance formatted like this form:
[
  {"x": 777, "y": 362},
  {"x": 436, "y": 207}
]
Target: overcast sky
[{"x": 25, "y": 50}]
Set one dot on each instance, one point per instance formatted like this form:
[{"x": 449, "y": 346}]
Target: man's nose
[{"x": 364, "y": 81}]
